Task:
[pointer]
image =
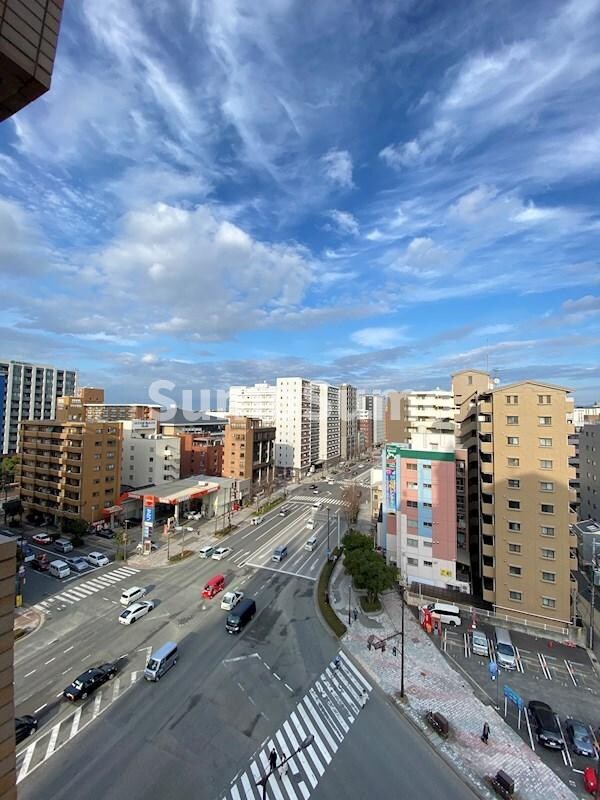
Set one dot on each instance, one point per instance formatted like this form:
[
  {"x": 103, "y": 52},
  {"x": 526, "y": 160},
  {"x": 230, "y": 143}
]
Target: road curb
[{"x": 29, "y": 629}]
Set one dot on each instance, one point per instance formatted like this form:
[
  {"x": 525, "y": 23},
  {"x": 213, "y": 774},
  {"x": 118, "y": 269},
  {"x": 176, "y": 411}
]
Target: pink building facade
[{"x": 421, "y": 519}]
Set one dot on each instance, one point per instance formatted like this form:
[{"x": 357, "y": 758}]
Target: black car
[
  {"x": 89, "y": 681},
  {"x": 105, "y": 533},
  {"x": 546, "y": 725},
  {"x": 24, "y": 727},
  {"x": 580, "y": 738}
]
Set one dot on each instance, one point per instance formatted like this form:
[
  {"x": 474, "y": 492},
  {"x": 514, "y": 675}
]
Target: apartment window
[
  {"x": 514, "y": 483},
  {"x": 546, "y": 486},
  {"x": 412, "y": 562},
  {"x": 515, "y": 505},
  {"x": 428, "y": 563},
  {"x": 412, "y": 542},
  {"x": 513, "y": 462},
  {"x": 550, "y": 554},
  {"x": 95, "y": 494},
  {"x": 547, "y": 530},
  {"x": 512, "y": 399},
  {"x": 544, "y": 399},
  {"x": 96, "y": 469},
  {"x": 512, "y": 420},
  {"x": 512, "y": 440},
  {"x": 514, "y": 526},
  {"x": 411, "y": 466},
  {"x": 544, "y": 420},
  {"x": 514, "y": 548},
  {"x": 427, "y": 543},
  {"x": 412, "y": 485},
  {"x": 412, "y": 504},
  {"x": 549, "y": 577},
  {"x": 96, "y": 455},
  {"x": 95, "y": 507},
  {"x": 426, "y": 466},
  {"x": 547, "y": 508},
  {"x": 545, "y": 442},
  {"x": 412, "y": 523},
  {"x": 427, "y": 486},
  {"x": 428, "y": 524},
  {"x": 548, "y": 602},
  {"x": 517, "y": 597},
  {"x": 545, "y": 463},
  {"x": 515, "y": 571}
]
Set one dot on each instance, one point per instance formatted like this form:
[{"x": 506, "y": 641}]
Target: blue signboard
[
  {"x": 515, "y": 698},
  {"x": 149, "y": 514}
]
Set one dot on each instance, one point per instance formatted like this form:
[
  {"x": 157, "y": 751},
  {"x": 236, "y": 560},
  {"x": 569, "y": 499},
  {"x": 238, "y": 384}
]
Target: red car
[
  {"x": 41, "y": 538},
  {"x": 213, "y": 586}
]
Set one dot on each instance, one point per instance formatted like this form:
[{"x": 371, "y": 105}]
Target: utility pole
[
  {"x": 327, "y": 533},
  {"x": 125, "y": 524},
  {"x": 349, "y": 602},
  {"x": 401, "y": 592}
]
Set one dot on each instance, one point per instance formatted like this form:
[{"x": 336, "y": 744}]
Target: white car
[
  {"x": 206, "y": 551},
  {"x": 97, "y": 559},
  {"x": 221, "y": 552},
  {"x": 231, "y": 599},
  {"x": 135, "y": 611},
  {"x": 132, "y": 595},
  {"x": 139, "y": 548}
]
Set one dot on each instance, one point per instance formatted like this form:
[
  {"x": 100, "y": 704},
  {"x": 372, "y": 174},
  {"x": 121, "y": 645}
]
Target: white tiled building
[
  {"x": 148, "y": 457},
  {"x": 256, "y": 401}
]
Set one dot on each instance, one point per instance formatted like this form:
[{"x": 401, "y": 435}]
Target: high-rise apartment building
[
  {"x": 348, "y": 421},
  {"x": 70, "y": 468},
  {"x": 8, "y": 789},
  {"x": 148, "y": 457},
  {"x": 589, "y": 471},
  {"x": 519, "y": 496},
  {"x": 371, "y": 407},
  {"x": 249, "y": 451},
  {"x": 423, "y": 527},
  {"x": 28, "y": 39},
  {"x": 418, "y": 412},
  {"x": 365, "y": 429},
  {"x": 29, "y": 392},
  {"x": 293, "y": 444},
  {"x": 256, "y": 401},
  {"x": 327, "y": 424},
  {"x": 378, "y": 412}
]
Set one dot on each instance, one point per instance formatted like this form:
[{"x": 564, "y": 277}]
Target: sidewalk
[
  {"x": 27, "y": 620},
  {"x": 430, "y": 683}
]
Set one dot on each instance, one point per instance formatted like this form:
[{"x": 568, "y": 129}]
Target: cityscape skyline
[{"x": 379, "y": 220}]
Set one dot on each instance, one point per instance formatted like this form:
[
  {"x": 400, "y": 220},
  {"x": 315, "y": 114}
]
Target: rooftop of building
[
  {"x": 182, "y": 416},
  {"x": 587, "y": 526},
  {"x": 183, "y": 489}
]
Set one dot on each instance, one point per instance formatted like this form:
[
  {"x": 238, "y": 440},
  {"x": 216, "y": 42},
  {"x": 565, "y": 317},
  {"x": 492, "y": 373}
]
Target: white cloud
[
  {"x": 344, "y": 221},
  {"x": 338, "y": 168},
  {"x": 422, "y": 257},
  {"x": 379, "y": 337}
]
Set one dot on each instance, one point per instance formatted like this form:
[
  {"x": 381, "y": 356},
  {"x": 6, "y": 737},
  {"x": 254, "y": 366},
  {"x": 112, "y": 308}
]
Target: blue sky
[{"x": 221, "y": 192}]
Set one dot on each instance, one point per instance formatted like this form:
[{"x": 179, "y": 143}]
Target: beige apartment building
[
  {"x": 429, "y": 412},
  {"x": 519, "y": 495},
  {"x": 70, "y": 467},
  {"x": 248, "y": 451},
  {"x": 28, "y": 39},
  {"x": 95, "y": 408}
]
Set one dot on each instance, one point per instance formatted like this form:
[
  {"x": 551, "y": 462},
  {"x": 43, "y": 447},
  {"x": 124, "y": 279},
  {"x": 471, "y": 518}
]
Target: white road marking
[
  {"x": 50, "y": 660},
  {"x": 26, "y": 762},
  {"x": 97, "y": 702},
  {"x": 30, "y": 673},
  {"x": 75, "y": 723},
  {"x": 40, "y": 708},
  {"x": 69, "y": 648},
  {"x": 53, "y": 740}
]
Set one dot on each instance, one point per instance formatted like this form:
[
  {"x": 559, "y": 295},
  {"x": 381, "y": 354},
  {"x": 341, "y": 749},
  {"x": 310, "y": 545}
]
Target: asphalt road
[{"x": 205, "y": 724}]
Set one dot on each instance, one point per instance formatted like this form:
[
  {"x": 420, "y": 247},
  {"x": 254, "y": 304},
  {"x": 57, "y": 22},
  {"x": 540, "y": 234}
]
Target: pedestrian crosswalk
[
  {"x": 309, "y": 738},
  {"x": 79, "y": 591},
  {"x": 315, "y": 498}
]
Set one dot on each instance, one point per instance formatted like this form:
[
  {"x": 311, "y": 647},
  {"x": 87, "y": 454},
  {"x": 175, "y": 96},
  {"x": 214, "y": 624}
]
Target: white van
[
  {"x": 506, "y": 656},
  {"x": 59, "y": 569},
  {"x": 310, "y": 524},
  {"x": 129, "y": 596},
  {"x": 311, "y": 544},
  {"x": 449, "y": 614}
]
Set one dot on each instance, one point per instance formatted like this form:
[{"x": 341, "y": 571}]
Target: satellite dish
[{"x": 496, "y": 381}]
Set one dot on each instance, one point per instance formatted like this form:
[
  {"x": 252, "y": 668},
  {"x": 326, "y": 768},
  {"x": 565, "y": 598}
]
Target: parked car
[
  {"x": 256, "y": 520},
  {"x": 40, "y": 563},
  {"x": 221, "y": 552},
  {"x": 136, "y": 611},
  {"x": 97, "y": 559},
  {"x": 139, "y": 548},
  {"x": 41, "y": 538},
  {"x": 546, "y": 725},
  {"x": 580, "y": 738},
  {"x": 231, "y": 599},
  {"x": 77, "y": 564},
  {"x": 89, "y": 681},
  {"x": 24, "y": 727},
  {"x": 105, "y": 533}
]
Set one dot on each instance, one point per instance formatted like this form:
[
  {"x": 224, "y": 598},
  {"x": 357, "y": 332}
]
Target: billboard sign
[{"x": 391, "y": 484}]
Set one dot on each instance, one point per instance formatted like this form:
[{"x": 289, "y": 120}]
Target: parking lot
[{"x": 557, "y": 674}]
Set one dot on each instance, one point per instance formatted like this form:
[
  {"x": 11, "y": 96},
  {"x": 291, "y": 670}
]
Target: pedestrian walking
[
  {"x": 394, "y": 651},
  {"x": 273, "y": 759},
  {"x": 383, "y": 647},
  {"x": 363, "y": 698},
  {"x": 485, "y": 733},
  {"x": 369, "y": 644},
  {"x": 283, "y": 769},
  {"x": 337, "y": 662},
  {"x": 355, "y": 614}
]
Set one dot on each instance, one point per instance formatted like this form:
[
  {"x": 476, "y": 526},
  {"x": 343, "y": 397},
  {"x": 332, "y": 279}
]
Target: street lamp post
[
  {"x": 327, "y": 533},
  {"x": 591, "y": 636},
  {"x": 265, "y": 779},
  {"x": 349, "y": 603}
]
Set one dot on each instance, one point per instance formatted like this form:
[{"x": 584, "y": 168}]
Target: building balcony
[
  {"x": 488, "y": 571},
  {"x": 488, "y": 550},
  {"x": 71, "y": 459},
  {"x": 486, "y": 477}
]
